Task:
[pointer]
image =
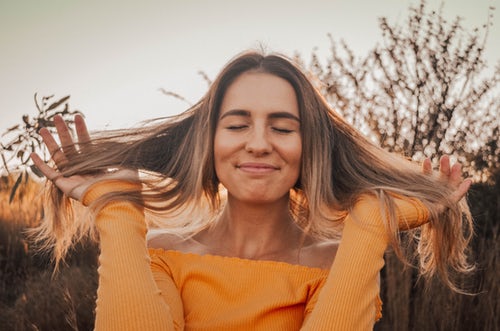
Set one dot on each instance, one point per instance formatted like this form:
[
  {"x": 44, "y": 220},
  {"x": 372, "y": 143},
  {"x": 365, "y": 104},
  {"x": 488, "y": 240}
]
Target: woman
[{"x": 255, "y": 183}]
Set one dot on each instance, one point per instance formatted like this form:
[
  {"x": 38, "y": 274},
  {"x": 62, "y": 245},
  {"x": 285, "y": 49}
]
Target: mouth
[{"x": 256, "y": 167}]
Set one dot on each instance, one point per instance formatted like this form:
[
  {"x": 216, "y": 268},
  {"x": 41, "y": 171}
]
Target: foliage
[
  {"x": 409, "y": 305},
  {"x": 23, "y": 139},
  {"x": 424, "y": 91},
  {"x": 31, "y": 296}
]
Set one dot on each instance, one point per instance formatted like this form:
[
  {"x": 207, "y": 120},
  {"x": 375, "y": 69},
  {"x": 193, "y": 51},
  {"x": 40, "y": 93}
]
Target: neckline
[{"x": 222, "y": 258}]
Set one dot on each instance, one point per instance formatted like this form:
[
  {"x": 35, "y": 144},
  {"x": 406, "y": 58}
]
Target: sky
[{"x": 113, "y": 56}]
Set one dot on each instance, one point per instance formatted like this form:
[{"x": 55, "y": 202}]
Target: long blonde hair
[{"x": 338, "y": 166}]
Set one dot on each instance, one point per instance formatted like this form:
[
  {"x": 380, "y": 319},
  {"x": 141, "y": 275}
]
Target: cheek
[
  {"x": 297, "y": 161},
  {"x": 226, "y": 144},
  {"x": 222, "y": 151},
  {"x": 220, "y": 147},
  {"x": 298, "y": 158},
  {"x": 294, "y": 151},
  {"x": 293, "y": 155},
  {"x": 217, "y": 155}
]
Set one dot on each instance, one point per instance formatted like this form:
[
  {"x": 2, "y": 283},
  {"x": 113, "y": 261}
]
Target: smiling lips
[{"x": 257, "y": 168}]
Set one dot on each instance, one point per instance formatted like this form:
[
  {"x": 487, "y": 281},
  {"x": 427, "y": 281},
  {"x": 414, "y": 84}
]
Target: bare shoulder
[
  {"x": 319, "y": 254},
  {"x": 163, "y": 240},
  {"x": 169, "y": 241}
]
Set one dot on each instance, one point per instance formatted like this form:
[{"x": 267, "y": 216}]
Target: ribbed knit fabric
[
  {"x": 177, "y": 291},
  {"x": 227, "y": 293}
]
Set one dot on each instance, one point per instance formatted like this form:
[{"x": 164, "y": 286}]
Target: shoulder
[
  {"x": 169, "y": 241},
  {"x": 163, "y": 240},
  {"x": 319, "y": 254}
]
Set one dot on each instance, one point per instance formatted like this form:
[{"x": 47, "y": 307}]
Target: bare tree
[
  {"x": 424, "y": 91},
  {"x": 18, "y": 141}
]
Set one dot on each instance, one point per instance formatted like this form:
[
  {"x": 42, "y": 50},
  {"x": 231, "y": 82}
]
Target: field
[{"x": 33, "y": 298}]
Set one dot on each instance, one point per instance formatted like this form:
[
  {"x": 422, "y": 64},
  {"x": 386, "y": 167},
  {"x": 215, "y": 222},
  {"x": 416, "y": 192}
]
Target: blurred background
[
  {"x": 420, "y": 78},
  {"x": 113, "y": 56}
]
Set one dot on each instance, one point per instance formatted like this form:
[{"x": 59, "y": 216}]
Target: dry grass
[
  {"x": 25, "y": 208},
  {"x": 31, "y": 298},
  {"x": 408, "y": 305}
]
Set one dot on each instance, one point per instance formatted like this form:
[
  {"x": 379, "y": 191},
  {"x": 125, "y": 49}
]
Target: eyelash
[
  {"x": 236, "y": 127},
  {"x": 284, "y": 131},
  {"x": 241, "y": 127}
]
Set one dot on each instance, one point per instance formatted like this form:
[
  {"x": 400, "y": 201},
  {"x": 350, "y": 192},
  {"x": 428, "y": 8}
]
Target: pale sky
[{"x": 113, "y": 56}]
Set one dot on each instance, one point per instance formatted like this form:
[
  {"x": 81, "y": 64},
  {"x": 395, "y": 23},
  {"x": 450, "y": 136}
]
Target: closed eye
[
  {"x": 236, "y": 127},
  {"x": 282, "y": 130}
]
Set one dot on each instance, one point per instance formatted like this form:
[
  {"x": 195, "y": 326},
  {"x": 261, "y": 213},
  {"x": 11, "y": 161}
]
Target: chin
[{"x": 261, "y": 198}]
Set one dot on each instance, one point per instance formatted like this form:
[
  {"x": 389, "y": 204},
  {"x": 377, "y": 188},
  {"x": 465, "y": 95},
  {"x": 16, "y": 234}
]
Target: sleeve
[
  {"x": 128, "y": 297},
  {"x": 169, "y": 291},
  {"x": 349, "y": 298}
]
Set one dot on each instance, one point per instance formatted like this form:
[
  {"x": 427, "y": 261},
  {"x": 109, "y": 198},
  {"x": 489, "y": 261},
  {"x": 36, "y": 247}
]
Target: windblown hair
[{"x": 338, "y": 166}]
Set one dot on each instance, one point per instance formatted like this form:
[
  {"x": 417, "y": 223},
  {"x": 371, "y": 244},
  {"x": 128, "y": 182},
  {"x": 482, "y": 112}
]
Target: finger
[
  {"x": 461, "y": 190},
  {"x": 46, "y": 170},
  {"x": 427, "y": 166},
  {"x": 55, "y": 151},
  {"x": 444, "y": 167},
  {"x": 64, "y": 135},
  {"x": 81, "y": 129},
  {"x": 455, "y": 175}
]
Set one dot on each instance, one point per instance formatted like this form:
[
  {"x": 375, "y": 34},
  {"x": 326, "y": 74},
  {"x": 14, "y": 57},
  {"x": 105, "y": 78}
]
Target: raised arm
[
  {"x": 348, "y": 298},
  {"x": 128, "y": 297}
]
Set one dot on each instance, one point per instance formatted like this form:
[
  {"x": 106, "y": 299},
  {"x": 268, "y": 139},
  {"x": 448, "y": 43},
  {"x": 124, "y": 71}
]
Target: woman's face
[{"x": 258, "y": 146}]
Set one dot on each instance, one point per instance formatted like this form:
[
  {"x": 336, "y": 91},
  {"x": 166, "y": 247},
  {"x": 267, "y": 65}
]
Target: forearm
[
  {"x": 128, "y": 298},
  {"x": 348, "y": 300}
]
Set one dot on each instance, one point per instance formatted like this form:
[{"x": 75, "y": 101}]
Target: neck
[{"x": 255, "y": 231}]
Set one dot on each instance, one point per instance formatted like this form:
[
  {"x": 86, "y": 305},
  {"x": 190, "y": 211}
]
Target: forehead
[{"x": 258, "y": 91}]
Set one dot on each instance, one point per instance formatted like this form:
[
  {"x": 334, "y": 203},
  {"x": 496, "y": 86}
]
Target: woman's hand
[
  {"x": 72, "y": 186},
  {"x": 451, "y": 175}
]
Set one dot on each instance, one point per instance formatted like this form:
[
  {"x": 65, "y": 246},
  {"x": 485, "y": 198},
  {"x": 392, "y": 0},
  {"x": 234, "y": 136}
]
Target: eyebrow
[{"x": 246, "y": 113}]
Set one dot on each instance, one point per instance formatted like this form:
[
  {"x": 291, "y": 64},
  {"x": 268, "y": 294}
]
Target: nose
[{"x": 258, "y": 142}]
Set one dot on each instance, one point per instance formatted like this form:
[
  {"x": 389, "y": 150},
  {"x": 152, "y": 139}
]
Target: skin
[
  {"x": 257, "y": 155},
  {"x": 257, "y": 152},
  {"x": 258, "y": 145}
]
